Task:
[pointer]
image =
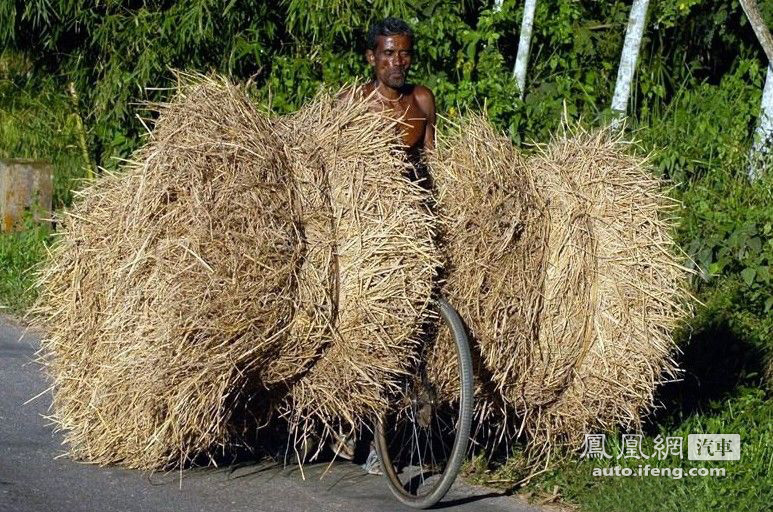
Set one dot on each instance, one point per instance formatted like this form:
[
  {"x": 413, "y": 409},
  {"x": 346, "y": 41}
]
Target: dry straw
[
  {"x": 616, "y": 219},
  {"x": 564, "y": 268},
  {"x": 494, "y": 228},
  {"x": 235, "y": 266},
  {"x": 242, "y": 265},
  {"x": 172, "y": 285},
  {"x": 370, "y": 267}
]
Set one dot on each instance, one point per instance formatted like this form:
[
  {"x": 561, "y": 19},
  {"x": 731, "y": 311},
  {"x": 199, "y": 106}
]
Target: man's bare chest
[{"x": 413, "y": 122}]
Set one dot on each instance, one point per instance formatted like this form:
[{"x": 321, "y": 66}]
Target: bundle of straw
[
  {"x": 370, "y": 267},
  {"x": 172, "y": 285},
  {"x": 241, "y": 264},
  {"x": 237, "y": 264},
  {"x": 628, "y": 296},
  {"x": 494, "y": 226},
  {"x": 564, "y": 268}
]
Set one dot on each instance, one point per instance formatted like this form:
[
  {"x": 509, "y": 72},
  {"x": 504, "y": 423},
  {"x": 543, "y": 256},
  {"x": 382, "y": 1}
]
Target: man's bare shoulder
[
  {"x": 348, "y": 93},
  {"x": 356, "y": 92},
  {"x": 424, "y": 98}
]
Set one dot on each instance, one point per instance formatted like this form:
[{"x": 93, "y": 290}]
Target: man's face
[{"x": 391, "y": 59}]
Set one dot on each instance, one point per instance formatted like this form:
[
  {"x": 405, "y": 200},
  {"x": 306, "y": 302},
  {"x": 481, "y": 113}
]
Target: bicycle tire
[{"x": 429, "y": 497}]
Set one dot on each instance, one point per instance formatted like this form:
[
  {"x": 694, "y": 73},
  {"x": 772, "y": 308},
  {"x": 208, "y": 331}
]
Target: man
[{"x": 390, "y": 53}]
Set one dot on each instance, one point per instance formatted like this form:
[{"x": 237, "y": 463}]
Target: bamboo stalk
[{"x": 90, "y": 174}]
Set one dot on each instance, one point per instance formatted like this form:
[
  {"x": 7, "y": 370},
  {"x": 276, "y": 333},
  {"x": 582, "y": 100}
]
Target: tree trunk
[
  {"x": 759, "y": 27},
  {"x": 629, "y": 57},
  {"x": 524, "y": 44},
  {"x": 759, "y": 152}
]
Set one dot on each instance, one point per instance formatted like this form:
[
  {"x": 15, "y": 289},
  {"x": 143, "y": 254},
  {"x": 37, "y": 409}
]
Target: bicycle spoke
[
  {"x": 442, "y": 442},
  {"x": 430, "y": 442}
]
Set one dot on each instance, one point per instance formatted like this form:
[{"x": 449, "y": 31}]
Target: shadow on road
[{"x": 470, "y": 499}]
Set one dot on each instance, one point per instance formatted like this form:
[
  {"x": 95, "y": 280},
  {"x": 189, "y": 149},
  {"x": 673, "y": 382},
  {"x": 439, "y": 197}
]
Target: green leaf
[
  {"x": 748, "y": 275},
  {"x": 755, "y": 244}
]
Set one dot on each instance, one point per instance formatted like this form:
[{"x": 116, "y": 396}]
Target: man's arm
[{"x": 426, "y": 101}]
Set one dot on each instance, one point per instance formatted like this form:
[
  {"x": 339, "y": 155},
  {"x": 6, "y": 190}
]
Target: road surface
[{"x": 32, "y": 478}]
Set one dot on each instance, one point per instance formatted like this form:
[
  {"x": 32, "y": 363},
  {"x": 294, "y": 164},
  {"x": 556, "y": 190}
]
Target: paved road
[{"x": 32, "y": 479}]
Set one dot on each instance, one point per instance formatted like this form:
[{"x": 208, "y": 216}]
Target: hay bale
[
  {"x": 172, "y": 285},
  {"x": 630, "y": 294},
  {"x": 371, "y": 262},
  {"x": 564, "y": 269},
  {"x": 494, "y": 225}
]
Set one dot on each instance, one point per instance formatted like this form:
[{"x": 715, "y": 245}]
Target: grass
[
  {"x": 19, "y": 252},
  {"x": 746, "y": 486}
]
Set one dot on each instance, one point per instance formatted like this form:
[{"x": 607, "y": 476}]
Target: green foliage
[
  {"x": 115, "y": 50},
  {"x": 678, "y": 130},
  {"x": 700, "y": 140},
  {"x": 37, "y": 121},
  {"x": 728, "y": 228}
]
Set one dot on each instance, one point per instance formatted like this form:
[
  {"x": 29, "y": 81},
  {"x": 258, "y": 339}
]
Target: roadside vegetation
[
  {"x": 37, "y": 121},
  {"x": 694, "y": 109}
]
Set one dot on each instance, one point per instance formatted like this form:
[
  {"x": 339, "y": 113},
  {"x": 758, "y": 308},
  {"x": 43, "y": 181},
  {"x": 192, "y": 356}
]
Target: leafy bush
[{"x": 38, "y": 121}]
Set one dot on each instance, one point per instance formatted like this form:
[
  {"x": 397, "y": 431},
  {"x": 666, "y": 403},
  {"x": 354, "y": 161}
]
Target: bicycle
[{"x": 422, "y": 471}]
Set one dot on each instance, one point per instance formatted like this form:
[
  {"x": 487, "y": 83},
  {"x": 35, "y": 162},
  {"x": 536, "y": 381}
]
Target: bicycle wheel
[{"x": 423, "y": 439}]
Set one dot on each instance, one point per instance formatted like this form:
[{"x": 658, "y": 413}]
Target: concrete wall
[{"x": 24, "y": 185}]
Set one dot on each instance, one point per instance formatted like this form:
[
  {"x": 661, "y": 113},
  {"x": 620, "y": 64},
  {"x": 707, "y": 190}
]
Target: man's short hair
[{"x": 387, "y": 27}]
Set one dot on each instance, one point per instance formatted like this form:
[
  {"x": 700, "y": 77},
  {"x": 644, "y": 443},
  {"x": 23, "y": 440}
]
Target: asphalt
[{"x": 36, "y": 475}]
